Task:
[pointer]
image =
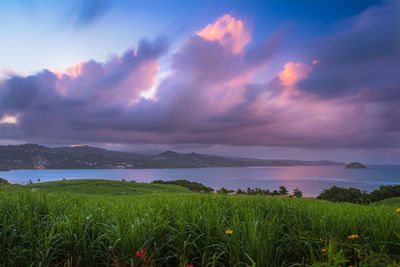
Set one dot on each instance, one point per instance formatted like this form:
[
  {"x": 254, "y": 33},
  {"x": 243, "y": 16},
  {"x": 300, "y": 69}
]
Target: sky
[{"x": 267, "y": 79}]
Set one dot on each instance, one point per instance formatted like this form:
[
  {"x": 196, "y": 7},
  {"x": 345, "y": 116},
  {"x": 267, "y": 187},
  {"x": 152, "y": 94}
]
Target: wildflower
[
  {"x": 140, "y": 253},
  {"x": 189, "y": 265},
  {"x": 320, "y": 239},
  {"x": 398, "y": 210},
  {"x": 324, "y": 250},
  {"x": 229, "y": 232},
  {"x": 353, "y": 236}
]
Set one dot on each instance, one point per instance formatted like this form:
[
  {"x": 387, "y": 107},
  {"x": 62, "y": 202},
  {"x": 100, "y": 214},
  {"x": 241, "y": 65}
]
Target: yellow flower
[
  {"x": 229, "y": 232},
  {"x": 352, "y": 236},
  {"x": 321, "y": 239},
  {"x": 324, "y": 250},
  {"x": 398, "y": 210}
]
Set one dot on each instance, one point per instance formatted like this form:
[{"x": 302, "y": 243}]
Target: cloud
[
  {"x": 211, "y": 95},
  {"x": 364, "y": 56},
  {"x": 228, "y": 31},
  {"x": 294, "y": 72},
  {"x": 120, "y": 80},
  {"x": 58, "y": 104},
  {"x": 91, "y": 10},
  {"x": 9, "y": 119},
  {"x": 79, "y": 13}
]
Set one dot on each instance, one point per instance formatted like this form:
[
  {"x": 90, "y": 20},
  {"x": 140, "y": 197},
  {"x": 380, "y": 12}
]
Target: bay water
[{"x": 310, "y": 179}]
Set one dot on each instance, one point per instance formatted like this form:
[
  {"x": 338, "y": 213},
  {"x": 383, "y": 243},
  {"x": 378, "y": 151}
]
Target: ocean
[{"x": 310, "y": 179}]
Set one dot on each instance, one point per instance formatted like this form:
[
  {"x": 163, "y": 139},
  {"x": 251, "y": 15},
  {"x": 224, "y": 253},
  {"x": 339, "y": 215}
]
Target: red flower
[
  {"x": 189, "y": 265},
  {"x": 140, "y": 253}
]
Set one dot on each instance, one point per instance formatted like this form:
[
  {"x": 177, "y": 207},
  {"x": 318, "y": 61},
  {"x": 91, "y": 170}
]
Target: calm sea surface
[{"x": 311, "y": 180}]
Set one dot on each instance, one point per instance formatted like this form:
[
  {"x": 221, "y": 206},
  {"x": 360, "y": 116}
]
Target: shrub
[
  {"x": 224, "y": 191},
  {"x": 283, "y": 191},
  {"x": 297, "y": 193},
  {"x": 193, "y": 186},
  {"x": 3, "y": 181},
  {"x": 339, "y": 194}
]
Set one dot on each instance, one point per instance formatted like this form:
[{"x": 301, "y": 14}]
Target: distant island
[
  {"x": 355, "y": 165},
  {"x": 32, "y": 156}
]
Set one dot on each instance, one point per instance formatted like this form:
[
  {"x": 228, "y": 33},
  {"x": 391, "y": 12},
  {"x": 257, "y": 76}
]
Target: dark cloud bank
[{"x": 350, "y": 98}]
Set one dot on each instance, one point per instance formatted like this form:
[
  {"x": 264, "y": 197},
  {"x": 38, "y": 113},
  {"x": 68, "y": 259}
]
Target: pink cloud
[
  {"x": 228, "y": 31},
  {"x": 294, "y": 72},
  {"x": 119, "y": 80},
  {"x": 75, "y": 70}
]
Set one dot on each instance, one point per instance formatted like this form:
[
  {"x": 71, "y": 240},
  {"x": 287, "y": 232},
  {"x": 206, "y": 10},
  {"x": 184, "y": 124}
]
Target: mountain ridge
[{"x": 34, "y": 156}]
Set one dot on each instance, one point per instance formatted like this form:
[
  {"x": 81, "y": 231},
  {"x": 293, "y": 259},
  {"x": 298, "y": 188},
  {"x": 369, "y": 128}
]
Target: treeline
[
  {"x": 354, "y": 195},
  {"x": 200, "y": 188},
  {"x": 193, "y": 186},
  {"x": 283, "y": 191}
]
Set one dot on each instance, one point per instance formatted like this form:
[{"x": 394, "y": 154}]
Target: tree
[
  {"x": 385, "y": 191},
  {"x": 283, "y": 191},
  {"x": 225, "y": 191},
  {"x": 340, "y": 194},
  {"x": 258, "y": 191},
  {"x": 297, "y": 193},
  {"x": 222, "y": 191},
  {"x": 240, "y": 192},
  {"x": 3, "y": 181},
  {"x": 250, "y": 191},
  {"x": 193, "y": 186}
]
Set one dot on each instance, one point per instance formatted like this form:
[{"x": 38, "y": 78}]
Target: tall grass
[{"x": 54, "y": 229}]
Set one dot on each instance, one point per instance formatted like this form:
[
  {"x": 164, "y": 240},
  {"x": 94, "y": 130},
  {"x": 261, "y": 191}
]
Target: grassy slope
[
  {"x": 394, "y": 201},
  {"x": 98, "y": 186},
  {"x": 51, "y": 229}
]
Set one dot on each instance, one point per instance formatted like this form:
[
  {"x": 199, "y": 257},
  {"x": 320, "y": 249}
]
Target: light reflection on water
[{"x": 310, "y": 179}]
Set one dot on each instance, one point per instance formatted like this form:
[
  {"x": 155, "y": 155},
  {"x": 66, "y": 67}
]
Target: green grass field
[
  {"x": 43, "y": 228},
  {"x": 109, "y": 187},
  {"x": 394, "y": 201}
]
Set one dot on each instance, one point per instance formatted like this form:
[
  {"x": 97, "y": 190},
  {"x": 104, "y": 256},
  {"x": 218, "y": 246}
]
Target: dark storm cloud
[{"x": 364, "y": 57}]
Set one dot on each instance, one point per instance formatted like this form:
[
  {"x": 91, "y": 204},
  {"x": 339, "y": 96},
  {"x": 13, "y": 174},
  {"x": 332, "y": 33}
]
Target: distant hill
[{"x": 32, "y": 156}]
